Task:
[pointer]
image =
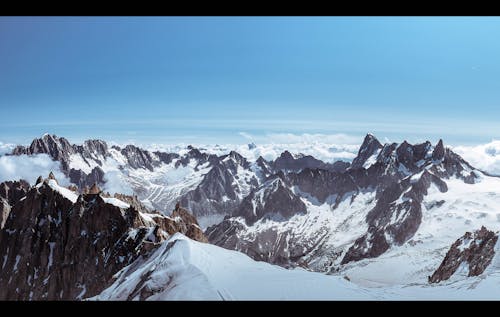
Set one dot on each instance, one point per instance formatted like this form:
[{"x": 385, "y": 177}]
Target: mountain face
[
  {"x": 182, "y": 269},
  {"x": 290, "y": 163},
  {"x": 57, "y": 244},
  {"x": 11, "y": 192},
  {"x": 332, "y": 218},
  {"x": 367, "y": 152},
  {"x": 206, "y": 184},
  {"x": 351, "y": 211},
  {"x": 386, "y": 220},
  {"x": 473, "y": 251}
]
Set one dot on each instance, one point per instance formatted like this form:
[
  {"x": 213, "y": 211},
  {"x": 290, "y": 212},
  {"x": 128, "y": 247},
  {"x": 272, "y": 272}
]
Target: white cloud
[
  {"x": 6, "y": 148},
  {"x": 29, "y": 168},
  {"x": 326, "y": 147},
  {"x": 115, "y": 183},
  {"x": 484, "y": 156},
  {"x": 247, "y": 136},
  {"x": 318, "y": 138}
]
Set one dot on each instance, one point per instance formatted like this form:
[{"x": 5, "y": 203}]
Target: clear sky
[{"x": 203, "y": 79}]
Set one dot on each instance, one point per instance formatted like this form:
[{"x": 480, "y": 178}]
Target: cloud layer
[
  {"x": 6, "y": 148},
  {"x": 484, "y": 156},
  {"x": 29, "y": 168},
  {"x": 326, "y": 147},
  {"x": 115, "y": 183}
]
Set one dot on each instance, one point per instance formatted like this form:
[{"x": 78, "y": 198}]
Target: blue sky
[{"x": 202, "y": 79}]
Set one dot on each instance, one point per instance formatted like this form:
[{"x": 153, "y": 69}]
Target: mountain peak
[
  {"x": 94, "y": 190},
  {"x": 39, "y": 180},
  {"x": 370, "y": 138},
  {"x": 52, "y": 176},
  {"x": 438, "y": 153},
  {"x": 286, "y": 155},
  {"x": 369, "y": 146}
]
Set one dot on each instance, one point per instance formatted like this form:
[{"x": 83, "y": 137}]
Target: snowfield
[
  {"x": 183, "y": 269},
  {"x": 446, "y": 217}
]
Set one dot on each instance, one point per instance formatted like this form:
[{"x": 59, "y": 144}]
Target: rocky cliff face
[
  {"x": 11, "y": 192},
  {"x": 58, "y": 245},
  {"x": 205, "y": 183},
  {"x": 395, "y": 218},
  {"x": 369, "y": 148},
  {"x": 287, "y": 162},
  {"x": 387, "y": 184},
  {"x": 274, "y": 199},
  {"x": 474, "y": 251}
]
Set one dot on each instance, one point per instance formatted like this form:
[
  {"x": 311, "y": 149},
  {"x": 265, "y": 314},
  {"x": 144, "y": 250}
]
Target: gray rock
[
  {"x": 475, "y": 249},
  {"x": 54, "y": 249}
]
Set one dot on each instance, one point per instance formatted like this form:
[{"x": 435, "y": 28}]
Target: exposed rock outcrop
[
  {"x": 400, "y": 176},
  {"x": 368, "y": 148},
  {"x": 56, "y": 245},
  {"x": 273, "y": 199},
  {"x": 289, "y": 163},
  {"x": 473, "y": 250},
  {"x": 13, "y": 191},
  {"x": 4, "y": 211}
]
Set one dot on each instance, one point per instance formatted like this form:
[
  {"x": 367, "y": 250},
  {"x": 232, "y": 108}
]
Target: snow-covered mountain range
[
  {"x": 210, "y": 185},
  {"x": 400, "y": 220}
]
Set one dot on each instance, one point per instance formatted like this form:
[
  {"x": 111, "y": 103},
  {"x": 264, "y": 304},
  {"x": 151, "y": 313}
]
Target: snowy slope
[
  {"x": 185, "y": 269},
  {"x": 446, "y": 216}
]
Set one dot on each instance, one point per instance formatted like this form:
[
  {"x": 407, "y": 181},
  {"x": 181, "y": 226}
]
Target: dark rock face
[
  {"x": 54, "y": 249},
  {"x": 288, "y": 163},
  {"x": 439, "y": 151},
  {"x": 4, "y": 211},
  {"x": 197, "y": 155},
  {"x": 270, "y": 245},
  {"x": 476, "y": 250},
  {"x": 264, "y": 166},
  {"x": 400, "y": 176},
  {"x": 369, "y": 146},
  {"x": 11, "y": 192},
  {"x": 57, "y": 148},
  {"x": 392, "y": 221},
  {"x": 322, "y": 183},
  {"x": 189, "y": 224},
  {"x": 166, "y": 158},
  {"x": 138, "y": 158},
  {"x": 82, "y": 179},
  {"x": 274, "y": 198},
  {"x": 221, "y": 190}
]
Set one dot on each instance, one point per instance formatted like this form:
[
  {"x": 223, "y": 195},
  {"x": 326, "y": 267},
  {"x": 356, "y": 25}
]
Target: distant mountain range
[{"x": 401, "y": 206}]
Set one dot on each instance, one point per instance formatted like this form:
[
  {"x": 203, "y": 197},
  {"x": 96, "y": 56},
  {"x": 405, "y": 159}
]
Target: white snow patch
[
  {"x": 82, "y": 293},
  {"x": 372, "y": 159},
  {"x": 70, "y": 195},
  {"x": 18, "y": 258},
  {"x": 116, "y": 202},
  {"x": 51, "y": 254}
]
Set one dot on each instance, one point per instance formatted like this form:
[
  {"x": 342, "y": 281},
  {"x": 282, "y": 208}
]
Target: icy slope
[
  {"x": 445, "y": 217},
  {"x": 185, "y": 269}
]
